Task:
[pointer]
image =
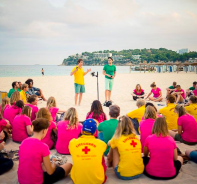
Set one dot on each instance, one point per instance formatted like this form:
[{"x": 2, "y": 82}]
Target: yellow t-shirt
[
  {"x": 138, "y": 113},
  {"x": 87, "y": 153},
  {"x": 23, "y": 96},
  {"x": 79, "y": 75},
  {"x": 192, "y": 109},
  {"x": 170, "y": 116},
  {"x": 129, "y": 148}
]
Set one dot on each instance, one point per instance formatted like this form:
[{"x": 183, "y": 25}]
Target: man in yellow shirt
[
  {"x": 168, "y": 113},
  {"x": 192, "y": 108},
  {"x": 136, "y": 115},
  {"x": 87, "y": 155},
  {"x": 79, "y": 80},
  {"x": 23, "y": 93}
]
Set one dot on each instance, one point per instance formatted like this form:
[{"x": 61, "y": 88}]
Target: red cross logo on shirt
[
  {"x": 133, "y": 143},
  {"x": 86, "y": 150}
]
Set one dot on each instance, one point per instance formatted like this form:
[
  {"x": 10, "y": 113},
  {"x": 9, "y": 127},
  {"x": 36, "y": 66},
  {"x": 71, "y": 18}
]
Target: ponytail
[
  {"x": 153, "y": 85},
  {"x": 180, "y": 110}
]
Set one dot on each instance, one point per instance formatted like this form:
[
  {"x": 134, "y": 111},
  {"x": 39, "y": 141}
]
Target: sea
[{"x": 49, "y": 70}]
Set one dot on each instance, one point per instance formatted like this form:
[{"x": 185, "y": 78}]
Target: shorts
[
  {"x": 79, "y": 88},
  {"x": 109, "y": 84},
  {"x": 179, "y": 138},
  {"x": 193, "y": 156},
  {"x": 125, "y": 177},
  {"x": 177, "y": 165},
  {"x": 58, "y": 174}
]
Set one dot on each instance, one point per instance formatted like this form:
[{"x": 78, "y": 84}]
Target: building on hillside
[
  {"x": 182, "y": 51},
  {"x": 117, "y": 57},
  {"x": 102, "y": 55},
  {"x": 137, "y": 57},
  {"x": 191, "y": 60}
]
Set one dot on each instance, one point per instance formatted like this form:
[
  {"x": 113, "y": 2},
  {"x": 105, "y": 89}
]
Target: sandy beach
[{"x": 62, "y": 88}]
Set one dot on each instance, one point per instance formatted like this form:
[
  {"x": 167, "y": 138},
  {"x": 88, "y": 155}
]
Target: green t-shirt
[
  {"x": 108, "y": 128},
  {"x": 12, "y": 91},
  {"x": 171, "y": 87},
  {"x": 192, "y": 88},
  {"x": 109, "y": 69}
]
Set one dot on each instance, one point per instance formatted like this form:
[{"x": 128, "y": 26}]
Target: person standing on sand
[
  {"x": 42, "y": 72},
  {"x": 109, "y": 71},
  {"x": 79, "y": 80}
]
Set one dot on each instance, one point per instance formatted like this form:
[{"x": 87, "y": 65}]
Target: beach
[{"x": 62, "y": 88}]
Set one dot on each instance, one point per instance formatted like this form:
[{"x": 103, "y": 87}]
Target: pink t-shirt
[
  {"x": 137, "y": 92},
  {"x": 53, "y": 111},
  {"x": 65, "y": 135},
  {"x": 19, "y": 131},
  {"x": 100, "y": 118},
  {"x": 31, "y": 153},
  {"x": 195, "y": 92},
  {"x": 47, "y": 138},
  {"x": 3, "y": 123},
  {"x": 10, "y": 112},
  {"x": 183, "y": 94},
  {"x": 189, "y": 128},
  {"x": 161, "y": 163},
  {"x": 145, "y": 130},
  {"x": 34, "y": 111},
  {"x": 156, "y": 92}
]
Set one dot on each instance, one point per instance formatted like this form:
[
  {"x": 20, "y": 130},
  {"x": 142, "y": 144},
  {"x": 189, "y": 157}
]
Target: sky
[{"x": 47, "y": 31}]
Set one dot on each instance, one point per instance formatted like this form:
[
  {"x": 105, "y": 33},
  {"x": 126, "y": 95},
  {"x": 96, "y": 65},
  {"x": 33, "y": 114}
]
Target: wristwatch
[{"x": 111, "y": 76}]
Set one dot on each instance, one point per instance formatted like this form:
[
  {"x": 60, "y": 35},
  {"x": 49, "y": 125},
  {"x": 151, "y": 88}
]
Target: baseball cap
[{"x": 89, "y": 126}]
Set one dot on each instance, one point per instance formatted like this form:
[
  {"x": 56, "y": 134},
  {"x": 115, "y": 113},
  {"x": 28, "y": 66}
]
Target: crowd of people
[{"x": 98, "y": 142}]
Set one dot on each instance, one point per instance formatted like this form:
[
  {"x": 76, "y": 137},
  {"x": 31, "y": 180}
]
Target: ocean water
[{"x": 49, "y": 70}]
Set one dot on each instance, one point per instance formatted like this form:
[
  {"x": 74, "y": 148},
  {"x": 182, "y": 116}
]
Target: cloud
[{"x": 66, "y": 27}]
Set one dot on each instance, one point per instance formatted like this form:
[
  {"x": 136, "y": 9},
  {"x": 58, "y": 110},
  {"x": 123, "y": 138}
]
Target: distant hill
[{"x": 125, "y": 57}]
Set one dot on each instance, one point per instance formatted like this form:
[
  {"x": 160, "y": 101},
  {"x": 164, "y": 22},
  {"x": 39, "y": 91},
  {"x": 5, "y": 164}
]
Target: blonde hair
[
  {"x": 150, "y": 113},
  {"x": 24, "y": 86},
  {"x": 15, "y": 97},
  {"x": 72, "y": 116},
  {"x": 5, "y": 101},
  {"x": 51, "y": 102},
  {"x": 44, "y": 113},
  {"x": 140, "y": 102},
  {"x": 180, "y": 109},
  {"x": 27, "y": 111},
  {"x": 124, "y": 127},
  {"x": 160, "y": 127}
]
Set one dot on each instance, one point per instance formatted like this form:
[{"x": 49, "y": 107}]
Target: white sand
[{"x": 62, "y": 88}]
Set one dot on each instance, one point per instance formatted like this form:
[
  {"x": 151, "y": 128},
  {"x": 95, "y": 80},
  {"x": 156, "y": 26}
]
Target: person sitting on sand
[
  {"x": 107, "y": 128},
  {"x": 138, "y": 92},
  {"x": 21, "y": 126},
  {"x": 67, "y": 130},
  {"x": 15, "y": 87},
  {"x": 180, "y": 94},
  {"x": 87, "y": 155},
  {"x": 32, "y": 102},
  {"x": 33, "y": 90},
  {"x": 52, "y": 107},
  {"x": 23, "y": 93},
  {"x": 125, "y": 152},
  {"x": 192, "y": 106},
  {"x": 192, "y": 154},
  {"x": 146, "y": 125},
  {"x": 11, "y": 111},
  {"x": 97, "y": 113},
  {"x": 187, "y": 127},
  {"x": 44, "y": 113},
  {"x": 169, "y": 114},
  {"x": 189, "y": 91},
  {"x": 16, "y": 96},
  {"x": 171, "y": 89},
  {"x": 163, "y": 163},
  {"x": 5, "y": 163},
  {"x": 157, "y": 94},
  {"x": 194, "y": 92},
  {"x": 5, "y": 101},
  {"x": 137, "y": 114},
  {"x": 34, "y": 158}
]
